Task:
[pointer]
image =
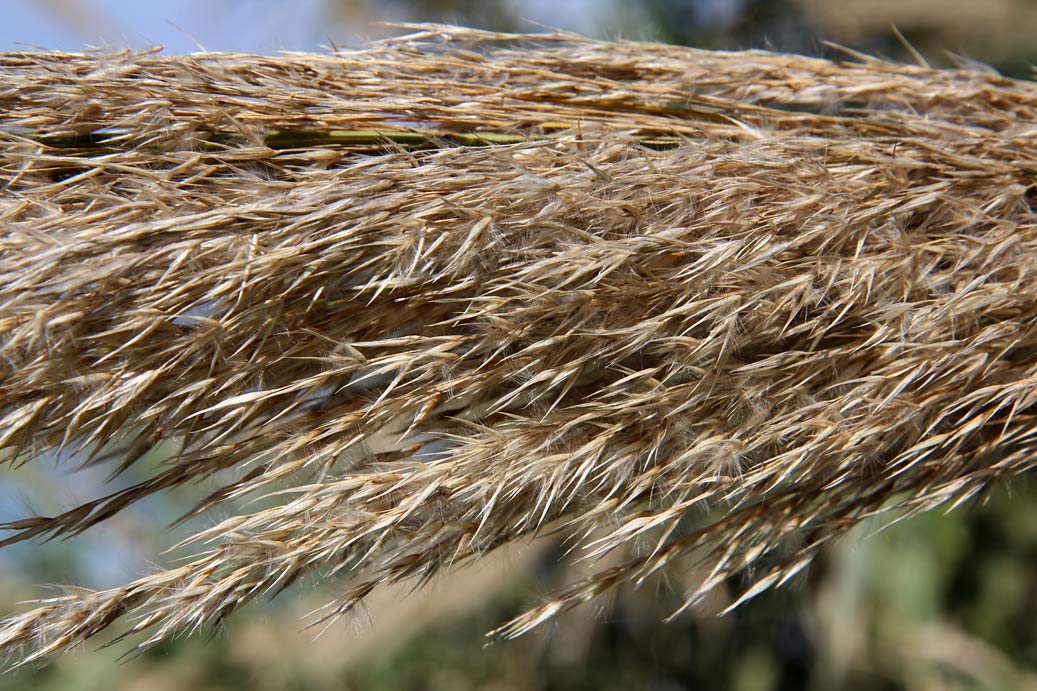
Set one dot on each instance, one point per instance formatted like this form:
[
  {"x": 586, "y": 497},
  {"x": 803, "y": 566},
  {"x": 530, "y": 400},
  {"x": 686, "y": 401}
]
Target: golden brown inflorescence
[{"x": 461, "y": 288}]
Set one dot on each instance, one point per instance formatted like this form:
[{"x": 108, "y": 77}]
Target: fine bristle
[{"x": 459, "y": 288}]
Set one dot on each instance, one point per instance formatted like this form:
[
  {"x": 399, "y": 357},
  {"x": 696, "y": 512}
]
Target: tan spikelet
[{"x": 460, "y": 288}]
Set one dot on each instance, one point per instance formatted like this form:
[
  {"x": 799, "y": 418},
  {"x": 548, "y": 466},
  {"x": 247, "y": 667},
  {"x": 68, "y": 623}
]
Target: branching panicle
[{"x": 461, "y": 293}]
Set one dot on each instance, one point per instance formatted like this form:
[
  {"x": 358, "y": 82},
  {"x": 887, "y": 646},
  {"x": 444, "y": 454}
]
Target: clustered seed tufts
[{"x": 458, "y": 288}]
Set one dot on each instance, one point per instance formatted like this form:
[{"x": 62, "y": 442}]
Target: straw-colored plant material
[{"x": 460, "y": 288}]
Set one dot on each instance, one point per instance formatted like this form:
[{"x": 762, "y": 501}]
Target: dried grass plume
[{"x": 460, "y": 288}]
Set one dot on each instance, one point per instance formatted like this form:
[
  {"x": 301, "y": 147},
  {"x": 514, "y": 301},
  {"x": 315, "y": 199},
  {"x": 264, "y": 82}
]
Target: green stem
[{"x": 351, "y": 139}]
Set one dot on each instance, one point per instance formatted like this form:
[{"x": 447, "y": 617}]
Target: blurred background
[
  {"x": 994, "y": 32},
  {"x": 936, "y": 602}
]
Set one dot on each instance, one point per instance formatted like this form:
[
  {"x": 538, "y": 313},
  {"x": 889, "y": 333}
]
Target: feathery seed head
[{"x": 460, "y": 292}]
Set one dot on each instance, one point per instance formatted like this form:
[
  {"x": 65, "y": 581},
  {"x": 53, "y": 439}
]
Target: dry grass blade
[{"x": 459, "y": 287}]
